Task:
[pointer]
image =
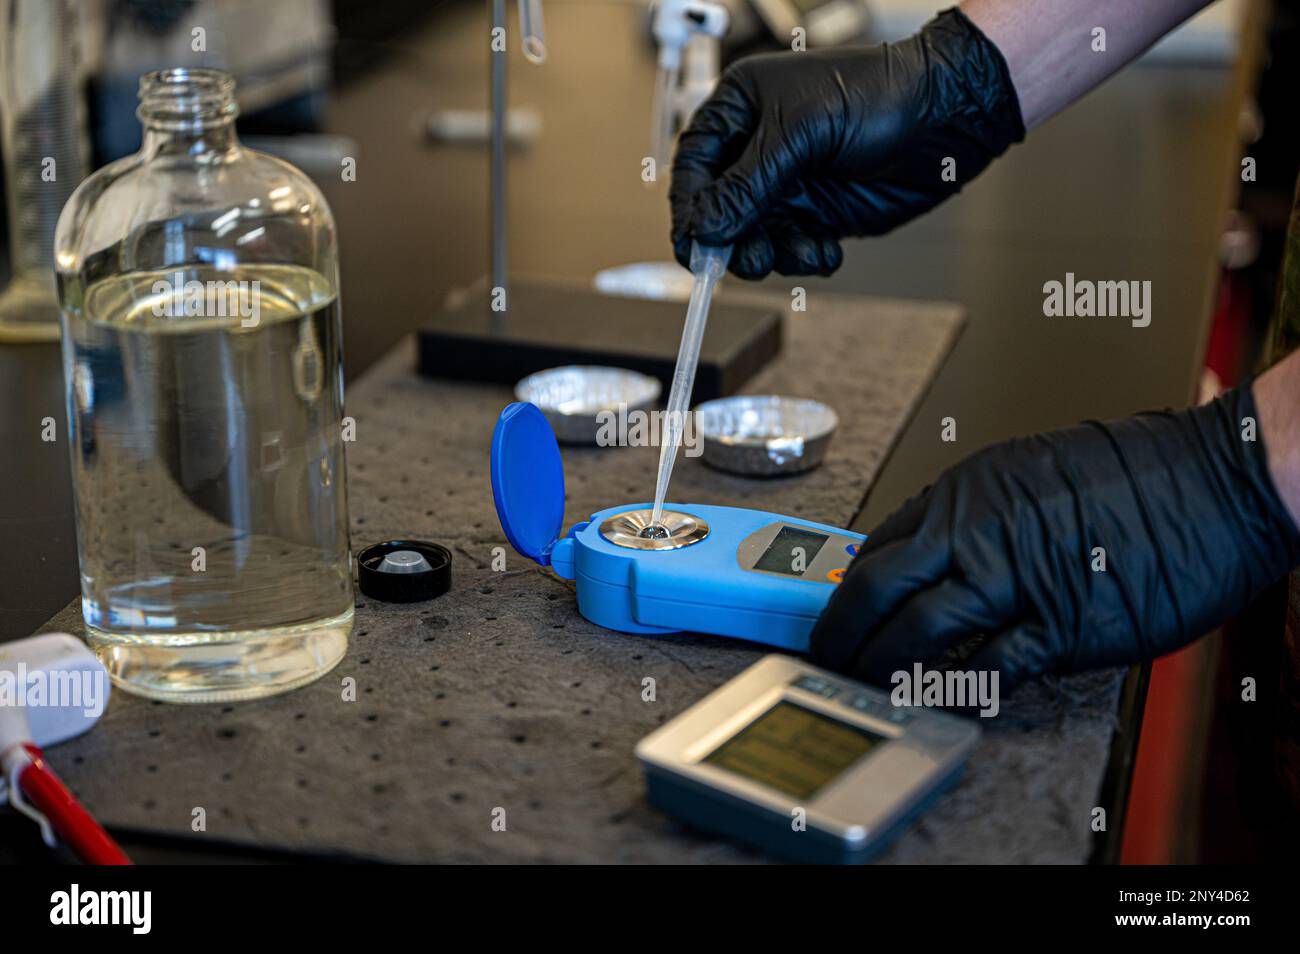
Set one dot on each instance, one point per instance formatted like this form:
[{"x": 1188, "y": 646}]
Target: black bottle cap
[{"x": 404, "y": 571}]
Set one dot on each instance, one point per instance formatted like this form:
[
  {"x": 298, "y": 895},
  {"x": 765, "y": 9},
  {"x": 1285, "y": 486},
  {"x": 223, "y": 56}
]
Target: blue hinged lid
[{"x": 528, "y": 480}]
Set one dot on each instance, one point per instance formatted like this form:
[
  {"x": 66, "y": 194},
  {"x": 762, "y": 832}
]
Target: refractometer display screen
[{"x": 780, "y": 556}]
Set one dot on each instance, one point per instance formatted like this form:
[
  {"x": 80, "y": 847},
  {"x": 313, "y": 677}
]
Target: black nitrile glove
[
  {"x": 1002, "y": 545},
  {"x": 794, "y": 151}
]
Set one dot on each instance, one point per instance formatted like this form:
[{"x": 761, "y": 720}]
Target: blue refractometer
[{"x": 722, "y": 570}]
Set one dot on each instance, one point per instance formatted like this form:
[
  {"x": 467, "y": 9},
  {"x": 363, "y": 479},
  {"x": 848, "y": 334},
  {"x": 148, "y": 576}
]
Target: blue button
[{"x": 852, "y": 549}]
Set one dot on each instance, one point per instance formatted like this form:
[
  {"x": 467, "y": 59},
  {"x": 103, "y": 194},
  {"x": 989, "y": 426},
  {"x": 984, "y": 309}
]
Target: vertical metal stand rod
[{"x": 497, "y": 163}]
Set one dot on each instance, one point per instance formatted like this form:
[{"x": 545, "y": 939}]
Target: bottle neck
[
  {"x": 210, "y": 143},
  {"x": 188, "y": 113}
]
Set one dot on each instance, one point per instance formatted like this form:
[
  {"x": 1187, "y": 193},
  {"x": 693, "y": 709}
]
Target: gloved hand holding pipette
[{"x": 795, "y": 151}]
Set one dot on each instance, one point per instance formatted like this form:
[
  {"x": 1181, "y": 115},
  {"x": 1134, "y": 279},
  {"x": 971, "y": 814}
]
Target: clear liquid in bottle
[{"x": 208, "y": 463}]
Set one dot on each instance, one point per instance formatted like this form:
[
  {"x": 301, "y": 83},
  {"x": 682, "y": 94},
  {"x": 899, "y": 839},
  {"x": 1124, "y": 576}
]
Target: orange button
[{"x": 836, "y": 575}]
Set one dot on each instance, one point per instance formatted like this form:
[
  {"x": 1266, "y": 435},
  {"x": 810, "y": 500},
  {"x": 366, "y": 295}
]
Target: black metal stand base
[{"x": 550, "y": 323}]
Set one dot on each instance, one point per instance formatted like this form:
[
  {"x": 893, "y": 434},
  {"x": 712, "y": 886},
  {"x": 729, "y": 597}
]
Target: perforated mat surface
[{"x": 499, "y": 695}]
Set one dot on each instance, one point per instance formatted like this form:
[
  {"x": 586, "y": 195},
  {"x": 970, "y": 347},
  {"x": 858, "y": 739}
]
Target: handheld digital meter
[
  {"x": 720, "y": 570},
  {"x": 803, "y": 763}
]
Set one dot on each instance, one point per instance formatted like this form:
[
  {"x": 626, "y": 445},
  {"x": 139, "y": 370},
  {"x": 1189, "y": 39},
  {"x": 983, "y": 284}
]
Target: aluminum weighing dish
[
  {"x": 765, "y": 435},
  {"x": 572, "y": 396}
]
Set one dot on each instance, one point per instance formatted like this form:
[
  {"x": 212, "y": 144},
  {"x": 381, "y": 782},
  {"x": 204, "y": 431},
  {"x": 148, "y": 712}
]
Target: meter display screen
[
  {"x": 779, "y": 557},
  {"x": 793, "y": 749}
]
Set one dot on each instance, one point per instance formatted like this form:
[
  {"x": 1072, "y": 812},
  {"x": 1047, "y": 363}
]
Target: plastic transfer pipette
[{"x": 708, "y": 264}]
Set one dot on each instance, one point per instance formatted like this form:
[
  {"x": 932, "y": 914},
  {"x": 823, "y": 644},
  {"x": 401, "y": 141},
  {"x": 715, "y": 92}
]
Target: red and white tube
[
  {"x": 36, "y": 791},
  {"x": 25, "y": 778}
]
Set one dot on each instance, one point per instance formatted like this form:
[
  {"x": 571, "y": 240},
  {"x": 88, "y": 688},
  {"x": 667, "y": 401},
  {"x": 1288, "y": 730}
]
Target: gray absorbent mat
[{"x": 499, "y": 695}]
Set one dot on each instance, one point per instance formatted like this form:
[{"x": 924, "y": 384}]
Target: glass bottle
[{"x": 198, "y": 289}]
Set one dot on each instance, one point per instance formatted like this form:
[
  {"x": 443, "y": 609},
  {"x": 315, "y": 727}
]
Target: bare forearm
[
  {"x": 1049, "y": 44},
  {"x": 1277, "y": 398}
]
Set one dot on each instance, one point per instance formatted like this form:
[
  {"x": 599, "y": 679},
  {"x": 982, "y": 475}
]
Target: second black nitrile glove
[
  {"x": 1098, "y": 545},
  {"x": 794, "y": 151}
]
